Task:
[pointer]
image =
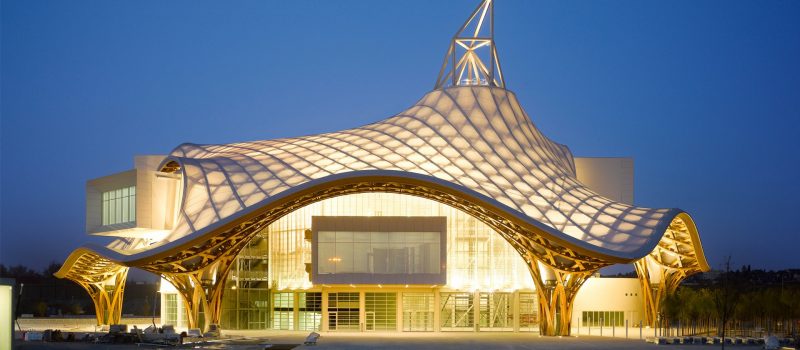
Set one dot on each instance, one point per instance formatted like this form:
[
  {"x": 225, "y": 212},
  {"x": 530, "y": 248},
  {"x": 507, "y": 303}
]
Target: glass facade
[
  {"x": 456, "y": 312},
  {"x": 246, "y": 302},
  {"x": 381, "y": 311},
  {"x": 477, "y": 256},
  {"x": 310, "y": 311},
  {"x": 283, "y": 311},
  {"x": 378, "y": 252},
  {"x": 418, "y": 312},
  {"x": 344, "y": 311},
  {"x": 269, "y": 285},
  {"x": 528, "y": 311},
  {"x": 119, "y": 206},
  {"x": 496, "y": 311}
]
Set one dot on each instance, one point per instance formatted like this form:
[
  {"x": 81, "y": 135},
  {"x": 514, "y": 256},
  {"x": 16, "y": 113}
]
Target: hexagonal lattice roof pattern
[{"x": 475, "y": 138}]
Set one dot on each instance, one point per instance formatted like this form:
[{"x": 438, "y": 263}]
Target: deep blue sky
[{"x": 705, "y": 95}]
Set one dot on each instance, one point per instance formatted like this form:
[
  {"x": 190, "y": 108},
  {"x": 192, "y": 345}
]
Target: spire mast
[{"x": 471, "y": 47}]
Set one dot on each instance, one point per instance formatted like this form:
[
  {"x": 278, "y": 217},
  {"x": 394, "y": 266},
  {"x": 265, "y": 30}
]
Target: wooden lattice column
[
  {"x": 556, "y": 290},
  {"x": 201, "y": 291},
  {"x": 102, "y": 278},
  {"x": 657, "y": 281},
  {"x": 106, "y": 295}
]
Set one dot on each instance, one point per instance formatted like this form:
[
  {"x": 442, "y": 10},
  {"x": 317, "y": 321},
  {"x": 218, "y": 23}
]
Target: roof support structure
[
  {"x": 198, "y": 269},
  {"x": 103, "y": 279},
  {"x": 202, "y": 291},
  {"x": 671, "y": 261},
  {"x": 557, "y": 270},
  {"x": 556, "y": 290},
  {"x": 655, "y": 290}
]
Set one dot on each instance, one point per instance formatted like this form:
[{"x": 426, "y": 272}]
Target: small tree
[{"x": 726, "y": 295}]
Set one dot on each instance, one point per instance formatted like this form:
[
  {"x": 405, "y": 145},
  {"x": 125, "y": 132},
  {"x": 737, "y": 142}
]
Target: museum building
[{"x": 456, "y": 214}]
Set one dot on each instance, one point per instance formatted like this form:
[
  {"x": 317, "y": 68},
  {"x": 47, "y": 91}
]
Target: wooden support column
[
  {"x": 556, "y": 290},
  {"x": 202, "y": 290},
  {"x": 106, "y": 295},
  {"x": 102, "y": 278},
  {"x": 657, "y": 281}
]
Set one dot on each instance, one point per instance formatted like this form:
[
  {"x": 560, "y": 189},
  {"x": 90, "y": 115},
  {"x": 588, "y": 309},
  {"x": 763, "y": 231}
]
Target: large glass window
[
  {"x": 418, "y": 309},
  {"x": 310, "y": 311},
  {"x": 343, "y": 311},
  {"x": 119, "y": 206},
  {"x": 457, "y": 311},
  {"x": 246, "y": 301},
  {"x": 379, "y": 252},
  {"x": 381, "y": 311},
  {"x": 283, "y": 311},
  {"x": 496, "y": 311},
  {"x": 477, "y": 256}
]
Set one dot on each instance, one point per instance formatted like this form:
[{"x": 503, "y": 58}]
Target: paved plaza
[{"x": 418, "y": 341}]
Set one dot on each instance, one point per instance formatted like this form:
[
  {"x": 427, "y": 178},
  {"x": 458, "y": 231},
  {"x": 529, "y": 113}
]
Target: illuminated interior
[{"x": 272, "y": 271}]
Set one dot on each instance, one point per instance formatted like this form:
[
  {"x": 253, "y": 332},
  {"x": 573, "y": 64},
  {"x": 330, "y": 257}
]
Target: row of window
[
  {"x": 603, "y": 318},
  {"x": 458, "y": 311},
  {"x": 119, "y": 206}
]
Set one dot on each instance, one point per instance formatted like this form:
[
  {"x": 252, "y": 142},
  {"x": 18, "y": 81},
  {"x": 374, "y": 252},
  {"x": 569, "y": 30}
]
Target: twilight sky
[{"x": 705, "y": 95}]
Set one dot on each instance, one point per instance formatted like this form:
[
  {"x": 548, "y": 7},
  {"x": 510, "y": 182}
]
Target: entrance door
[{"x": 343, "y": 311}]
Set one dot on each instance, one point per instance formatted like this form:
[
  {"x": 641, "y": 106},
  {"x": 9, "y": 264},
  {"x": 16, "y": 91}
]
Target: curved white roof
[{"x": 472, "y": 138}]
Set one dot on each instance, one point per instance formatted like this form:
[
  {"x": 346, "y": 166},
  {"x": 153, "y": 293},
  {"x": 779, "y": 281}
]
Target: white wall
[
  {"x": 610, "y": 294},
  {"x": 157, "y": 200}
]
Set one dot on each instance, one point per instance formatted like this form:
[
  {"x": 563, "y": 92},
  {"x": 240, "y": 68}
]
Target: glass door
[{"x": 343, "y": 311}]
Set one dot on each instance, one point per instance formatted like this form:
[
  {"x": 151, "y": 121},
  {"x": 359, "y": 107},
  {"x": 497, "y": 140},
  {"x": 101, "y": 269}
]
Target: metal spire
[{"x": 471, "y": 48}]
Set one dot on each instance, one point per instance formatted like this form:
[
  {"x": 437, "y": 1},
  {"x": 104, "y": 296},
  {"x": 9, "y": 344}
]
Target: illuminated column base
[
  {"x": 557, "y": 290},
  {"x": 202, "y": 291},
  {"x": 107, "y": 296},
  {"x": 657, "y": 281}
]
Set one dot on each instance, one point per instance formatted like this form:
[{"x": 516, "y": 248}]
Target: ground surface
[{"x": 417, "y": 341}]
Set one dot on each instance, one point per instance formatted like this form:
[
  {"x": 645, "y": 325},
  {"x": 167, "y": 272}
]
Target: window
[
  {"x": 379, "y": 252},
  {"x": 171, "y": 309},
  {"x": 456, "y": 311},
  {"x": 603, "y": 318},
  {"x": 381, "y": 311},
  {"x": 283, "y": 311},
  {"x": 375, "y": 250},
  {"x": 343, "y": 311},
  {"x": 310, "y": 311},
  {"x": 528, "y": 312},
  {"x": 119, "y": 206},
  {"x": 496, "y": 311},
  {"x": 418, "y": 311}
]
